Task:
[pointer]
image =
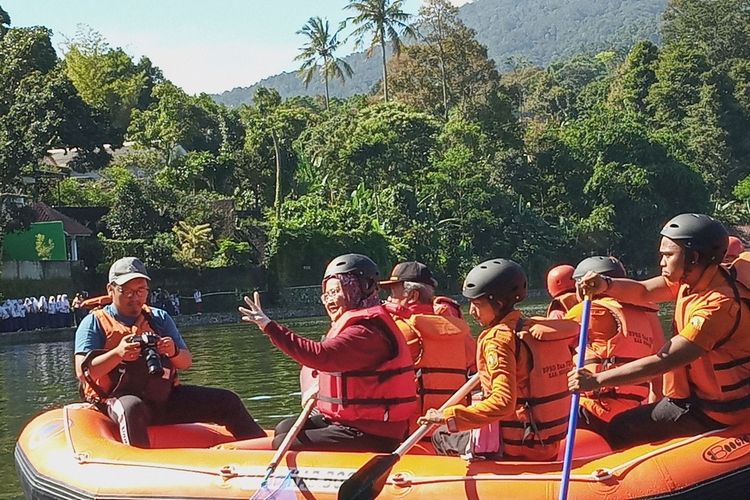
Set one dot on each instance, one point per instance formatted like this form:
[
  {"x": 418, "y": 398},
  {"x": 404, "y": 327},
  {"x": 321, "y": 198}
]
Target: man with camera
[{"x": 127, "y": 355}]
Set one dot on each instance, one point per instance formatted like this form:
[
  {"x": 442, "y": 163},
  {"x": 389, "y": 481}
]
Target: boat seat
[
  {"x": 588, "y": 444},
  {"x": 195, "y": 435}
]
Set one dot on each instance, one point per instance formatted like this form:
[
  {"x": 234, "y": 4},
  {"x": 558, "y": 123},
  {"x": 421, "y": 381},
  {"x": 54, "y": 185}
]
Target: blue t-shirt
[{"x": 90, "y": 335}]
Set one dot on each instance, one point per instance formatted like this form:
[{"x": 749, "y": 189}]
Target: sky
[{"x": 200, "y": 46}]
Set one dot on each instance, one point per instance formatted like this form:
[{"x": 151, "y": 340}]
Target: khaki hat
[
  {"x": 416, "y": 272},
  {"x": 126, "y": 269}
]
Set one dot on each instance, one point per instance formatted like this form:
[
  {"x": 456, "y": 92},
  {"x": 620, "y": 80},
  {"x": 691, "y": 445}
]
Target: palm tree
[
  {"x": 321, "y": 45},
  {"x": 387, "y": 23}
]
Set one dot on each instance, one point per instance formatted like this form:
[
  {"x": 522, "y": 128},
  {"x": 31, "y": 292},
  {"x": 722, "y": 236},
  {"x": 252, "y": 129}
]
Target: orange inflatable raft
[{"x": 74, "y": 453}]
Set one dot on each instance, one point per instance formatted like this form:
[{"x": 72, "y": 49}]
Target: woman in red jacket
[{"x": 365, "y": 374}]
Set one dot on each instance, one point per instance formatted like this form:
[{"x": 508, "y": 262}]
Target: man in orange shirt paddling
[{"x": 706, "y": 365}]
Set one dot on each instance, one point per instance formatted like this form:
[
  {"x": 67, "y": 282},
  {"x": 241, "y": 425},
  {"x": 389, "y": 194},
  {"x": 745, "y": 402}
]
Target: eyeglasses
[
  {"x": 330, "y": 295},
  {"x": 138, "y": 292}
]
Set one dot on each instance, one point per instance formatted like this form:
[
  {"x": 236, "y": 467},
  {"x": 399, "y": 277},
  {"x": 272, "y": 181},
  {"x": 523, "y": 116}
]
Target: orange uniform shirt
[
  {"x": 705, "y": 315},
  {"x": 496, "y": 362}
]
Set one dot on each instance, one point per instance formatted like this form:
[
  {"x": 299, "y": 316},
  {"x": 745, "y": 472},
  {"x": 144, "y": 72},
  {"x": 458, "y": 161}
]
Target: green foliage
[
  {"x": 133, "y": 216},
  {"x": 159, "y": 253},
  {"x": 448, "y": 68},
  {"x": 232, "y": 253},
  {"x": 635, "y": 78},
  {"x": 113, "y": 249},
  {"x": 280, "y": 122},
  {"x": 177, "y": 119},
  {"x": 742, "y": 189},
  {"x": 44, "y": 247},
  {"x": 542, "y": 164},
  {"x": 718, "y": 28},
  {"x": 106, "y": 79},
  {"x": 679, "y": 74},
  {"x": 4, "y": 22},
  {"x": 74, "y": 193},
  {"x": 195, "y": 245}
]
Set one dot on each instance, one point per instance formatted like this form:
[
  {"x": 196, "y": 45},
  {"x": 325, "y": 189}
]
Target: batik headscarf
[{"x": 352, "y": 290}]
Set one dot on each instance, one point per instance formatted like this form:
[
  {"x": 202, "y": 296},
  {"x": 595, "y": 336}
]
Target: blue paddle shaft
[{"x": 573, "y": 420}]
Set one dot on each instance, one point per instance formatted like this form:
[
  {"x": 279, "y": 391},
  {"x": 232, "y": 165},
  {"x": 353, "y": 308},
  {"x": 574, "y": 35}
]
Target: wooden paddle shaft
[
  {"x": 292, "y": 434},
  {"x": 424, "y": 429}
]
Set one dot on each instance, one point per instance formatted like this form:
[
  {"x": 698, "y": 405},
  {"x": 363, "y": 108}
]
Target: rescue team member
[
  {"x": 706, "y": 364},
  {"x": 562, "y": 289},
  {"x": 442, "y": 348},
  {"x": 734, "y": 248},
  {"x": 366, "y": 392},
  {"x": 618, "y": 333},
  {"x": 523, "y": 378},
  {"x": 112, "y": 366}
]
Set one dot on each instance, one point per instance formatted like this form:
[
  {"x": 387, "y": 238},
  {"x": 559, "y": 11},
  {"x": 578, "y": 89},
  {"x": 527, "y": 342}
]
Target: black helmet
[
  {"x": 499, "y": 279},
  {"x": 359, "y": 265},
  {"x": 607, "y": 266},
  {"x": 699, "y": 232}
]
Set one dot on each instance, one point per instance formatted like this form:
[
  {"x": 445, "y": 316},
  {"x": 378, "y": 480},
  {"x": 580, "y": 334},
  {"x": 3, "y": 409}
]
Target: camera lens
[{"x": 153, "y": 359}]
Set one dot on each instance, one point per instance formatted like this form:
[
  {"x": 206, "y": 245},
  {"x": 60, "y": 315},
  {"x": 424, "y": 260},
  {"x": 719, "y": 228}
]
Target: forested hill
[{"x": 539, "y": 31}]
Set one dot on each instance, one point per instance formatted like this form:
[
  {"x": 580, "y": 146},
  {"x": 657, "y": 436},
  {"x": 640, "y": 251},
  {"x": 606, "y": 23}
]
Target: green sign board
[{"x": 42, "y": 241}]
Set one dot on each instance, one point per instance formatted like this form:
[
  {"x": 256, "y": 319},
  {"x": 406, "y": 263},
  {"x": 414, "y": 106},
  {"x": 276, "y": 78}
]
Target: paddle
[
  {"x": 368, "y": 481},
  {"x": 574, "y": 401},
  {"x": 286, "y": 443}
]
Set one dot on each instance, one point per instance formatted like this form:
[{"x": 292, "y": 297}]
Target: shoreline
[{"x": 185, "y": 321}]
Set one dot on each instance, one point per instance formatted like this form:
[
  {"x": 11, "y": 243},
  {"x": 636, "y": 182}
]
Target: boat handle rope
[
  {"x": 599, "y": 475},
  {"x": 226, "y": 471}
]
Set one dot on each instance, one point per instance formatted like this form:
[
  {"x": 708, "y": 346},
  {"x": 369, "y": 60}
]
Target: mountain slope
[{"x": 539, "y": 31}]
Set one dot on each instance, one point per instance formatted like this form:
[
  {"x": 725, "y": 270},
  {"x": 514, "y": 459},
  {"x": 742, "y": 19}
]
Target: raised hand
[{"x": 253, "y": 312}]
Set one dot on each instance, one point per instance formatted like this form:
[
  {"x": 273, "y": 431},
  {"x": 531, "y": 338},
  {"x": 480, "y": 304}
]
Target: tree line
[{"x": 447, "y": 161}]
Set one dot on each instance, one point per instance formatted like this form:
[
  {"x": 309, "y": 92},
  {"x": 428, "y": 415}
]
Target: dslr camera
[{"x": 148, "y": 350}]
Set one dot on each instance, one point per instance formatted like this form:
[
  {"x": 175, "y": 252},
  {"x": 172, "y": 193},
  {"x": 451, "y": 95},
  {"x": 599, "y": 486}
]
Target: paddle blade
[
  {"x": 368, "y": 481},
  {"x": 277, "y": 489}
]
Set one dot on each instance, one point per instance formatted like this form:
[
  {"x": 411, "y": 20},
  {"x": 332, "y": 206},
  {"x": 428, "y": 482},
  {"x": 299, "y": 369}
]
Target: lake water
[{"x": 37, "y": 377}]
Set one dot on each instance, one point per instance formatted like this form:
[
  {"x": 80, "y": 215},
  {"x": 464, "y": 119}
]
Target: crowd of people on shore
[
  {"x": 386, "y": 366},
  {"x": 57, "y": 311},
  {"x": 31, "y": 313}
]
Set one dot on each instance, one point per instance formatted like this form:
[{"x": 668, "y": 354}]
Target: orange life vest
[
  {"x": 563, "y": 302},
  {"x": 719, "y": 381},
  {"x": 441, "y": 366},
  {"x": 446, "y": 306},
  {"x": 543, "y": 402},
  {"x": 639, "y": 334},
  {"x": 384, "y": 393},
  {"x": 131, "y": 377},
  {"x": 96, "y": 302}
]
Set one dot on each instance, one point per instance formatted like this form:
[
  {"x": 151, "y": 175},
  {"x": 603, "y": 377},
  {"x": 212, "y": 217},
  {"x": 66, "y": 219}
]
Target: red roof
[{"x": 45, "y": 213}]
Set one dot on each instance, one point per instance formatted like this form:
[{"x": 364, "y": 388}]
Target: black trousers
[
  {"x": 186, "y": 404},
  {"x": 669, "y": 418},
  {"x": 322, "y": 435},
  {"x": 589, "y": 421}
]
